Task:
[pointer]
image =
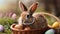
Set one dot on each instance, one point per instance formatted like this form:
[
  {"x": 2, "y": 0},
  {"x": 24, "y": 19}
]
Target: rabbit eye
[{"x": 28, "y": 16}]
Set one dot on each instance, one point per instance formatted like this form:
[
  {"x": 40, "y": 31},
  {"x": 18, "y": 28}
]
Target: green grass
[{"x": 6, "y": 22}]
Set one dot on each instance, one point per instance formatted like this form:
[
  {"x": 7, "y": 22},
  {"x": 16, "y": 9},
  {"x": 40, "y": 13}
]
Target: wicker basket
[{"x": 34, "y": 31}]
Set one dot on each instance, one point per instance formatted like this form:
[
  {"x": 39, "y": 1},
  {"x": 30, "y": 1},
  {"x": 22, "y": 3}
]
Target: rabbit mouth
[{"x": 28, "y": 22}]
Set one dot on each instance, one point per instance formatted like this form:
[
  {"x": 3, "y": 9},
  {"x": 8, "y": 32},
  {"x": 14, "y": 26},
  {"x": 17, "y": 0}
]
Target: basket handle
[{"x": 44, "y": 13}]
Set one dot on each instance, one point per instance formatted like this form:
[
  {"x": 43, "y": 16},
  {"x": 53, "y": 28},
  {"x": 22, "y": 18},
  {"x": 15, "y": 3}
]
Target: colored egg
[
  {"x": 55, "y": 25},
  {"x": 1, "y": 28},
  {"x": 50, "y": 31},
  {"x": 14, "y": 16},
  {"x": 20, "y": 27},
  {"x": 27, "y": 28}
]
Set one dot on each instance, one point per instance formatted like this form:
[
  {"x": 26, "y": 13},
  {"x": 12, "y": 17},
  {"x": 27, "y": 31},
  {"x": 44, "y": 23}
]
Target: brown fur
[{"x": 40, "y": 20}]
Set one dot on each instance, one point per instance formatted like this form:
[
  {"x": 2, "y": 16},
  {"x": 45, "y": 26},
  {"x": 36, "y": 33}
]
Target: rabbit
[{"x": 31, "y": 19}]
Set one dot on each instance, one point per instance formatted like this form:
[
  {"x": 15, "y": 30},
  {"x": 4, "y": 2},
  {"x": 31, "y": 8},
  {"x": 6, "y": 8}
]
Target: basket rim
[{"x": 24, "y": 30}]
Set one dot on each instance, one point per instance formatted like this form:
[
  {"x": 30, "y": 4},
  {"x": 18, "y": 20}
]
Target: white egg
[
  {"x": 50, "y": 31},
  {"x": 1, "y": 28}
]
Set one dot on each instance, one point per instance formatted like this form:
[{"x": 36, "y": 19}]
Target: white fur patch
[{"x": 20, "y": 21}]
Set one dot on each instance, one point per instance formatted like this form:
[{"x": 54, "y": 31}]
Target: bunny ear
[
  {"x": 33, "y": 7},
  {"x": 22, "y": 6}
]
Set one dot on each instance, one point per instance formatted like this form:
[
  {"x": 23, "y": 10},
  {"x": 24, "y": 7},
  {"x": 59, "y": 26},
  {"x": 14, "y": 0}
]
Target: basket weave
[{"x": 35, "y": 31}]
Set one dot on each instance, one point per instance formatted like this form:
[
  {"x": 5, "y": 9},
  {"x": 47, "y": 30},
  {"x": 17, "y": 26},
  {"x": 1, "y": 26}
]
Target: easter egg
[
  {"x": 20, "y": 27},
  {"x": 1, "y": 28},
  {"x": 27, "y": 28},
  {"x": 14, "y": 16},
  {"x": 50, "y": 31},
  {"x": 55, "y": 25}
]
